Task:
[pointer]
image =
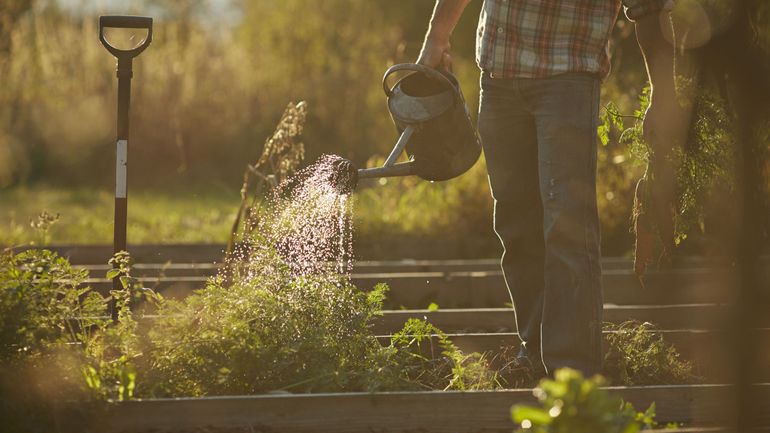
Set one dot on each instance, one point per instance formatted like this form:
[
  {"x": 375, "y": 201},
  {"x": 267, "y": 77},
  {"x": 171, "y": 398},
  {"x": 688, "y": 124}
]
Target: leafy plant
[
  {"x": 43, "y": 303},
  {"x": 50, "y": 321},
  {"x": 47, "y": 317},
  {"x": 574, "y": 404},
  {"x": 110, "y": 370},
  {"x": 275, "y": 332},
  {"x": 704, "y": 164},
  {"x": 265, "y": 333},
  {"x": 421, "y": 354},
  {"x": 637, "y": 355}
]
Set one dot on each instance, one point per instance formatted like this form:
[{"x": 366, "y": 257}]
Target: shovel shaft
[{"x": 125, "y": 73}]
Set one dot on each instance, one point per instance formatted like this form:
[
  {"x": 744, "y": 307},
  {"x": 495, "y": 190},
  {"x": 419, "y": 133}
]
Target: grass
[
  {"x": 86, "y": 215},
  {"x": 205, "y": 214}
]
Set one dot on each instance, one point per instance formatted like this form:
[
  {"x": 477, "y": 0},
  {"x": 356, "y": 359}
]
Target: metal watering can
[{"x": 430, "y": 113}]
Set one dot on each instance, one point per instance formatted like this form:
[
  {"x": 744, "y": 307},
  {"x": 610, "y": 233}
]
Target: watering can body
[{"x": 430, "y": 114}]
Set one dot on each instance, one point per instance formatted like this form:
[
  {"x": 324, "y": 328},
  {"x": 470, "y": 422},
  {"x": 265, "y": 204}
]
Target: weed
[
  {"x": 42, "y": 225},
  {"x": 281, "y": 156},
  {"x": 637, "y": 355},
  {"x": 422, "y": 355}
]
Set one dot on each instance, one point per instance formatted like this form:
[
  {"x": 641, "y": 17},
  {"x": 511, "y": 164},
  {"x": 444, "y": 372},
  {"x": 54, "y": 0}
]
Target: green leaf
[
  {"x": 112, "y": 273},
  {"x": 536, "y": 415},
  {"x": 433, "y": 306},
  {"x": 603, "y": 132}
]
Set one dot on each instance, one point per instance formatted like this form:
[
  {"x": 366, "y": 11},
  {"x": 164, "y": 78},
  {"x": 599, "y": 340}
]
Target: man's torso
[{"x": 541, "y": 38}]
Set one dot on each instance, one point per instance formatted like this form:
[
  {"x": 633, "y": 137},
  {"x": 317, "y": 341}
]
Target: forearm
[{"x": 446, "y": 14}]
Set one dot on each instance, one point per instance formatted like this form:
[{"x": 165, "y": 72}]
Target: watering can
[{"x": 430, "y": 113}]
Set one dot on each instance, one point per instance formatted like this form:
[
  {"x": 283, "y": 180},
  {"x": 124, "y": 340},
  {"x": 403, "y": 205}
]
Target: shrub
[
  {"x": 40, "y": 341},
  {"x": 266, "y": 333},
  {"x": 274, "y": 332},
  {"x": 39, "y": 295}
]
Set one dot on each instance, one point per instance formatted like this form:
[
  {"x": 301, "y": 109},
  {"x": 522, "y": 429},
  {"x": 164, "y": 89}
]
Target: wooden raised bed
[{"x": 437, "y": 411}]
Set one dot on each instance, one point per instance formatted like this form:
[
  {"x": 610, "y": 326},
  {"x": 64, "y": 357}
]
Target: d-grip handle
[
  {"x": 125, "y": 22},
  {"x": 414, "y": 67}
]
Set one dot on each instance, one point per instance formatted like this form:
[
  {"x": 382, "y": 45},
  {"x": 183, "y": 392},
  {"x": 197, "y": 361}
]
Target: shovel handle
[{"x": 125, "y": 22}]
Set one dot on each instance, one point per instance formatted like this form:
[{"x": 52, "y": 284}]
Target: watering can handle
[
  {"x": 414, "y": 67},
  {"x": 125, "y": 22}
]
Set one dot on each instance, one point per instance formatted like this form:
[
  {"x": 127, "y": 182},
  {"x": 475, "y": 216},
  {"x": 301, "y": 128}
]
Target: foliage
[
  {"x": 705, "y": 164},
  {"x": 42, "y": 225},
  {"x": 46, "y": 317},
  {"x": 708, "y": 162},
  {"x": 39, "y": 295},
  {"x": 638, "y": 355},
  {"x": 271, "y": 332},
  {"x": 114, "y": 351},
  {"x": 265, "y": 333},
  {"x": 209, "y": 90},
  {"x": 205, "y": 97},
  {"x": 422, "y": 354},
  {"x": 573, "y": 404}
]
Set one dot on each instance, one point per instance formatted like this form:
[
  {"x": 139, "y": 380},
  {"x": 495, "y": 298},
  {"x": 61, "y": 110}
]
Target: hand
[{"x": 435, "y": 54}]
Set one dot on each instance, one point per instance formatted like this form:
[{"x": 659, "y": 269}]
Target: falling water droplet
[{"x": 307, "y": 221}]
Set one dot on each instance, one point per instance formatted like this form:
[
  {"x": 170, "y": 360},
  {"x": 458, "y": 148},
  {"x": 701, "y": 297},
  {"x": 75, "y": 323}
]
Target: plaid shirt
[{"x": 540, "y": 38}]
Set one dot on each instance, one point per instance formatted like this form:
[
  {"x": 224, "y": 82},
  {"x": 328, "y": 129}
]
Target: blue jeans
[{"x": 539, "y": 140}]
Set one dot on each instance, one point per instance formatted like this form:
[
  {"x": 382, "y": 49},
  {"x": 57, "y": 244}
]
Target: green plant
[
  {"x": 42, "y": 225},
  {"x": 421, "y": 354},
  {"x": 574, "y": 404},
  {"x": 705, "y": 164},
  {"x": 50, "y": 321},
  {"x": 110, "y": 368},
  {"x": 47, "y": 317},
  {"x": 265, "y": 333},
  {"x": 637, "y": 355},
  {"x": 43, "y": 303},
  {"x": 272, "y": 331}
]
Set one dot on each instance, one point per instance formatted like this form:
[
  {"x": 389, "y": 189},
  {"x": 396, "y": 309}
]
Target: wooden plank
[
  {"x": 160, "y": 270},
  {"x": 388, "y": 266},
  {"x": 208, "y": 253},
  {"x": 683, "y": 316},
  {"x": 432, "y": 411},
  {"x": 501, "y": 320},
  {"x": 485, "y": 289}
]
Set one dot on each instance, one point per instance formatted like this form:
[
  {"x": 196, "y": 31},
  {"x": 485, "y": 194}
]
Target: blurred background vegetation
[{"x": 209, "y": 91}]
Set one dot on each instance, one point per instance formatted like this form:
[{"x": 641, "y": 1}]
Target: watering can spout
[
  {"x": 346, "y": 174},
  {"x": 400, "y": 169}
]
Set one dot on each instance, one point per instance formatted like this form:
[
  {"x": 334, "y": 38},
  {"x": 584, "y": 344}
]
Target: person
[{"x": 541, "y": 65}]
